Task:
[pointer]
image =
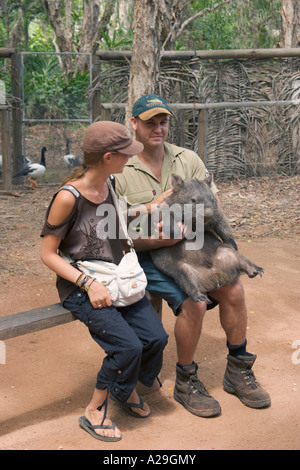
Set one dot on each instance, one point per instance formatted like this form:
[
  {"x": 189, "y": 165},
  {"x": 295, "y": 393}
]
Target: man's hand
[
  {"x": 159, "y": 200},
  {"x": 165, "y": 239}
]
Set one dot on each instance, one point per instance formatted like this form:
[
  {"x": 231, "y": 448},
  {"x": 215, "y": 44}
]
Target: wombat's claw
[
  {"x": 260, "y": 271},
  {"x": 256, "y": 270}
]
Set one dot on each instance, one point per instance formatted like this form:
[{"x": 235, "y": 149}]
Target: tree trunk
[
  {"x": 290, "y": 38},
  {"x": 62, "y": 33},
  {"x": 92, "y": 25},
  {"x": 290, "y": 34},
  {"x": 157, "y": 24},
  {"x": 143, "y": 68}
]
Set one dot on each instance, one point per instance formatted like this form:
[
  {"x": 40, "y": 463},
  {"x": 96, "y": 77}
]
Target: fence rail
[
  {"x": 221, "y": 105},
  {"x": 219, "y": 54}
]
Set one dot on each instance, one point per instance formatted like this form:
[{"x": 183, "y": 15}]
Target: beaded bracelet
[
  {"x": 78, "y": 279},
  {"x": 83, "y": 285},
  {"x": 83, "y": 280},
  {"x": 94, "y": 279}
]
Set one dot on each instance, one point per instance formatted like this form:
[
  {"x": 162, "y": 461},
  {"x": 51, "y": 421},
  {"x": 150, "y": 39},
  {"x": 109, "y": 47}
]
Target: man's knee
[
  {"x": 237, "y": 293},
  {"x": 233, "y": 294},
  {"x": 193, "y": 310}
]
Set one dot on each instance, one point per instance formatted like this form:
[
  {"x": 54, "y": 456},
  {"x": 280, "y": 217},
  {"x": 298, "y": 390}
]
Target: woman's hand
[{"x": 99, "y": 295}]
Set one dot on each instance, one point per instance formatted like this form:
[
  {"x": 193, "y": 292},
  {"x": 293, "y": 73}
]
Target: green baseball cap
[{"x": 149, "y": 105}]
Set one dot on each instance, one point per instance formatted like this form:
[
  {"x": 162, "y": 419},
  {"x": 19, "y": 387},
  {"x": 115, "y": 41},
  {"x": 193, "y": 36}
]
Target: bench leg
[{"x": 2, "y": 353}]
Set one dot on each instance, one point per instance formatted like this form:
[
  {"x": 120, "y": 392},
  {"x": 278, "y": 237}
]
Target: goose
[
  {"x": 34, "y": 170},
  {"x": 71, "y": 160}
]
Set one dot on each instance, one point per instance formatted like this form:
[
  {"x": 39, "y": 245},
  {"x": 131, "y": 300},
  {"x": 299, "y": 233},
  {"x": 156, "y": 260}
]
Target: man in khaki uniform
[{"x": 146, "y": 180}]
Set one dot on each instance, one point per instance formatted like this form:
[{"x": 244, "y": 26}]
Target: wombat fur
[{"x": 218, "y": 262}]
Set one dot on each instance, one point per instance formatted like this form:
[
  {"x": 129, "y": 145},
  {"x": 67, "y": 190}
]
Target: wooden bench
[
  {"x": 37, "y": 319},
  {"x": 41, "y": 318}
]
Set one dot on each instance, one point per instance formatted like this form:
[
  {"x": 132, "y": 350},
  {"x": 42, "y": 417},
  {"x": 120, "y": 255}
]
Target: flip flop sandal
[
  {"x": 87, "y": 426},
  {"x": 127, "y": 407}
]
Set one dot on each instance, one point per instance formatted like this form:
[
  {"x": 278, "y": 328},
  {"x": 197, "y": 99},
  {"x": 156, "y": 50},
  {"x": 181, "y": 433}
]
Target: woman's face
[{"x": 118, "y": 161}]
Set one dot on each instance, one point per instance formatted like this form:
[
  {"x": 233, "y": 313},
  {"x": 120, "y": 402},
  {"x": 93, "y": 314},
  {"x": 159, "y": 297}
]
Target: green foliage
[
  {"x": 32, "y": 10},
  {"x": 241, "y": 24},
  {"x": 120, "y": 39},
  {"x": 40, "y": 39},
  {"x": 48, "y": 95}
]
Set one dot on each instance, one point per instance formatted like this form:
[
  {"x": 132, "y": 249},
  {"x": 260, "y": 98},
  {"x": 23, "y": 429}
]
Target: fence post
[
  {"x": 181, "y": 121},
  {"x": 96, "y": 96},
  {"x": 105, "y": 113},
  {"x": 16, "y": 112},
  {"x": 6, "y": 148},
  {"x": 202, "y": 135}
]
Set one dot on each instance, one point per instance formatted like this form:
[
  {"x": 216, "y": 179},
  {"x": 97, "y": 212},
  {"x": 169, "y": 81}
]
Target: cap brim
[
  {"x": 133, "y": 149},
  {"x": 153, "y": 112}
]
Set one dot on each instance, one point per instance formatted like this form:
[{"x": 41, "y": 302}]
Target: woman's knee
[
  {"x": 160, "y": 341},
  {"x": 129, "y": 357}
]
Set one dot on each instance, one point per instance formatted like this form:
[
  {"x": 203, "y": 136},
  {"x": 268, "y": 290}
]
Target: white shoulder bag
[{"x": 126, "y": 281}]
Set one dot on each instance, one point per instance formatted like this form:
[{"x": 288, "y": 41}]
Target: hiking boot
[
  {"x": 240, "y": 380},
  {"x": 192, "y": 394}
]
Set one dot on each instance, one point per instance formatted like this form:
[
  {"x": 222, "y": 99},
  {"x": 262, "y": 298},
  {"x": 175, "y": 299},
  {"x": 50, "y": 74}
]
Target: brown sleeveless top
[{"x": 81, "y": 234}]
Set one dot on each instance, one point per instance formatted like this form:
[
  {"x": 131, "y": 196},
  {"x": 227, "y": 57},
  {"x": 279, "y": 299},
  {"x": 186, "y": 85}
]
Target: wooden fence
[
  {"x": 11, "y": 122},
  {"x": 239, "y": 110},
  {"x": 199, "y": 115}
]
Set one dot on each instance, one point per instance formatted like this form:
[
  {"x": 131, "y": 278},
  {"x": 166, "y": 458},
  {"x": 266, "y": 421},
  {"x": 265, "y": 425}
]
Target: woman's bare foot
[
  {"x": 134, "y": 398},
  {"x": 95, "y": 417},
  {"x": 95, "y": 413}
]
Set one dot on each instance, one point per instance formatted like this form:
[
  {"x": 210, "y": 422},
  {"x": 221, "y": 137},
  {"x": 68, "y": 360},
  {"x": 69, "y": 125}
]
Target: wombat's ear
[
  {"x": 177, "y": 182},
  {"x": 209, "y": 180}
]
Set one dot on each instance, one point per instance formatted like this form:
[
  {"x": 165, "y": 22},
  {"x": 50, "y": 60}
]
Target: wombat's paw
[{"x": 255, "y": 271}]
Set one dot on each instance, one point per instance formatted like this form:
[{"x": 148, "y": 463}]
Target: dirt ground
[{"x": 50, "y": 375}]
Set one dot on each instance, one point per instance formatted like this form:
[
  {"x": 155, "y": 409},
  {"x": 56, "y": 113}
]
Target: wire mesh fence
[{"x": 55, "y": 109}]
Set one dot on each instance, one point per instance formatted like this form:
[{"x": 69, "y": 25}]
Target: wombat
[{"x": 218, "y": 262}]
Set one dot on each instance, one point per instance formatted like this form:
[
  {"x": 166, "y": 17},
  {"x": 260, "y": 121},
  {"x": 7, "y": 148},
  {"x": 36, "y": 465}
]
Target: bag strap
[{"x": 120, "y": 214}]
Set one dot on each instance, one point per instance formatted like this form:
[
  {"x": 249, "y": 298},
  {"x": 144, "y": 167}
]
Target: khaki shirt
[{"x": 138, "y": 184}]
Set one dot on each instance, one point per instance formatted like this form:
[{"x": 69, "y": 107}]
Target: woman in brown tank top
[{"x": 131, "y": 336}]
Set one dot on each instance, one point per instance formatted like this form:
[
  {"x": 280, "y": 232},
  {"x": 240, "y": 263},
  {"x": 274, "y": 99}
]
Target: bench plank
[{"x": 37, "y": 319}]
